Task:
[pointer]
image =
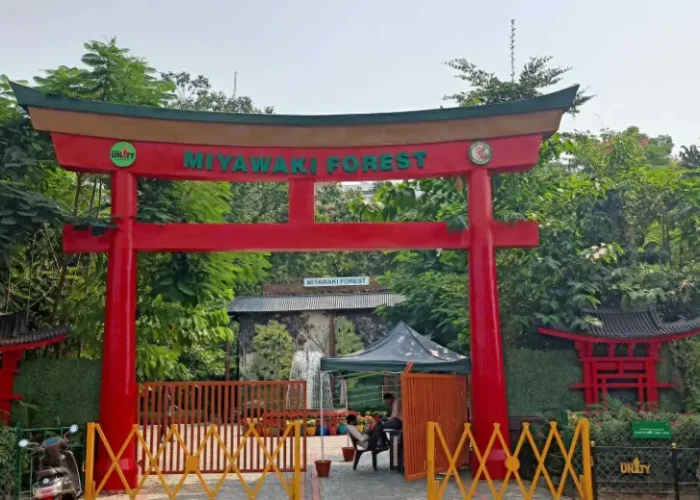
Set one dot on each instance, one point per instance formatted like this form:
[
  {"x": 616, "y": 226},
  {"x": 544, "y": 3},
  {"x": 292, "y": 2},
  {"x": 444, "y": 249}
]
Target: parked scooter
[{"x": 57, "y": 473}]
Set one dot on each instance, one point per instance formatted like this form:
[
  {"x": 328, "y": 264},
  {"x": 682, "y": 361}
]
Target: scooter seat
[{"x": 47, "y": 473}]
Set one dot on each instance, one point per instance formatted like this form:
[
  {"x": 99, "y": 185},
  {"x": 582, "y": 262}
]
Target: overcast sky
[{"x": 639, "y": 57}]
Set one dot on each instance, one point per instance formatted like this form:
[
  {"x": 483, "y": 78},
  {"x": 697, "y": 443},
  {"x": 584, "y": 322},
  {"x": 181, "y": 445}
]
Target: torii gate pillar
[
  {"x": 118, "y": 404},
  {"x": 488, "y": 387}
]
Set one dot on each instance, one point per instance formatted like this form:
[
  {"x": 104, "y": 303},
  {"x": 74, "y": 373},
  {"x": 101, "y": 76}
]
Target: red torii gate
[{"x": 128, "y": 142}]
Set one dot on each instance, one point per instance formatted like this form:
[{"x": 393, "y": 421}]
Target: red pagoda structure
[
  {"x": 622, "y": 352},
  {"x": 14, "y": 341}
]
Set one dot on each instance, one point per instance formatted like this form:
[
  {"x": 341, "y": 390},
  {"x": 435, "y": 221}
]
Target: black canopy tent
[{"x": 401, "y": 346}]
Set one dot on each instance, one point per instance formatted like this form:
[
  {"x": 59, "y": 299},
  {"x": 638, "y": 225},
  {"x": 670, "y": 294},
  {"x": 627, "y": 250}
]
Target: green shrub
[
  {"x": 541, "y": 380},
  {"x": 273, "y": 350},
  {"x": 670, "y": 400},
  {"x": 613, "y": 427},
  {"x": 347, "y": 341},
  {"x": 8, "y": 452},
  {"x": 57, "y": 392}
]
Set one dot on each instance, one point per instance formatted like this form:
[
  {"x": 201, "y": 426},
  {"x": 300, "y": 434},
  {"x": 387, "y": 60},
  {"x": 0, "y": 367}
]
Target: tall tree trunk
[
  {"x": 227, "y": 363},
  {"x": 64, "y": 266}
]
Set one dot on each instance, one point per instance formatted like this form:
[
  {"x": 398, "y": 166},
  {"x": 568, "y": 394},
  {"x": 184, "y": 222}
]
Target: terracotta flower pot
[
  {"x": 348, "y": 453},
  {"x": 332, "y": 431},
  {"x": 323, "y": 467}
]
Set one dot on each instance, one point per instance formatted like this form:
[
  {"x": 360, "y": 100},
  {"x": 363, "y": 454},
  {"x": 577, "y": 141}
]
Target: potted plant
[
  {"x": 333, "y": 427},
  {"x": 348, "y": 453},
  {"x": 361, "y": 424},
  {"x": 342, "y": 427},
  {"x": 370, "y": 423},
  {"x": 322, "y": 427},
  {"x": 323, "y": 467},
  {"x": 311, "y": 427}
]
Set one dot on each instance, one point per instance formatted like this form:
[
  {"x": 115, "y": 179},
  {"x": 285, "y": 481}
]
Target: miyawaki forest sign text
[
  {"x": 342, "y": 281},
  {"x": 300, "y": 165},
  {"x": 280, "y": 164}
]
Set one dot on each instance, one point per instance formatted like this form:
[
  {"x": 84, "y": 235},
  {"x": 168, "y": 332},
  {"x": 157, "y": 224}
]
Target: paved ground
[
  {"x": 367, "y": 484},
  {"x": 343, "y": 483}
]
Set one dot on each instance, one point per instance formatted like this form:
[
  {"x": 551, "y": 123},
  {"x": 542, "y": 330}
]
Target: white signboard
[{"x": 349, "y": 281}]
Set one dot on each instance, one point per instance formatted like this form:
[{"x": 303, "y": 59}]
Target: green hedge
[
  {"x": 669, "y": 400},
  {"x": 613, "y": 427},
  {"x": 57, "y": 392},
  {"x": 8, "y": 452},
  {"x": 541, "y": 380}
]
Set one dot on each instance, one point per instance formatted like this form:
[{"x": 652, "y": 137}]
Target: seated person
[
  {"x": 394, "y": 421},
  {"x": 368, "y": 442}
]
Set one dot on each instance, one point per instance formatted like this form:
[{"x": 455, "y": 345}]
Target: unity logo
[
  {"x": 122, "y": 154},
  {"x": 480, "y": 153}
]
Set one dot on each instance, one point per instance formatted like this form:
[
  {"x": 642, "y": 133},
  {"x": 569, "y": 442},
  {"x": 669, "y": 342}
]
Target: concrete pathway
[{"x": 383, "y": 484}]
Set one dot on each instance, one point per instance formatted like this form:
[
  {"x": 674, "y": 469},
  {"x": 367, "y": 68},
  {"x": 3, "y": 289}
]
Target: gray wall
[{"x": 307, "y": 328}]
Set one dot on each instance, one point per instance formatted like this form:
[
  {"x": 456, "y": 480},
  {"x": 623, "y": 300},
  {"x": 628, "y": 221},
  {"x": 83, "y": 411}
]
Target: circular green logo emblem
[
  {"x": 480, "y": 153},
  {"x": 122, "y": 154}
]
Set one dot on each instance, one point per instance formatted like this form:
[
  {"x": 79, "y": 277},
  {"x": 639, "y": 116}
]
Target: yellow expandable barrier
[
  {"x": 192, "y": 461},
  {"x": 583, "y": 482}
]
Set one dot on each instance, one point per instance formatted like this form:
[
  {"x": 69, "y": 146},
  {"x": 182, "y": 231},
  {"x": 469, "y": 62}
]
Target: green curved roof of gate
[{"x": 29, "y": 97}]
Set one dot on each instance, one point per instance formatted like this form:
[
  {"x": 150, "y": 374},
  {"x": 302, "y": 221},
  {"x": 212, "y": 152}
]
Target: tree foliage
[
  {"x": 618, "y": 213},
  {"x": 347, "y": 341},
  {"x": 182, "y": 322},
  {"x": 619, "y": 222},
  {"x": 273, "y": 349}
]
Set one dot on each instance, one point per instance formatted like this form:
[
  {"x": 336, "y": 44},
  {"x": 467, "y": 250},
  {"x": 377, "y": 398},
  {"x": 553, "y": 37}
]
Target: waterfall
[{"x": 306, "y": 365}]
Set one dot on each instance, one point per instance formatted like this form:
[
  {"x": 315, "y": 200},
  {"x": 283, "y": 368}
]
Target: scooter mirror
[
  {"x": 73, "y": 429},
  {"x": 23, "y": 443}
]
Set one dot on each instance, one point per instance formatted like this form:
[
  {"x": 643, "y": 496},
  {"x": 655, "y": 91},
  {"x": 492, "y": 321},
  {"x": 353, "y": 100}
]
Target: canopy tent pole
[
  {"x": 344, "y": 384},
  {"x": 320, "y": 426}
]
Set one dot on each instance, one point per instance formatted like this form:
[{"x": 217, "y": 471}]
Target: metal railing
[{"x": 645, "y": 469}]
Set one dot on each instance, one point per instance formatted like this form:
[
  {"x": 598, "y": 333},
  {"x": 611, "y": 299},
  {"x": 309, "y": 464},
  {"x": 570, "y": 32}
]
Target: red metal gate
[
  {"x": 232, "y": 406},
  {"x": 431, "y": 398}
]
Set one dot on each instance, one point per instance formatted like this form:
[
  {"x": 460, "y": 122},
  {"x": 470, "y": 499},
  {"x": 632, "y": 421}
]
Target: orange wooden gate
[
  {"x": 431, "y": 398},
  {"x": 193, "y": 406}
]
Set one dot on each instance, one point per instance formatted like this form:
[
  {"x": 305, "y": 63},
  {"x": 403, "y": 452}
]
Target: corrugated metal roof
[{"x": 314, "y": 302}]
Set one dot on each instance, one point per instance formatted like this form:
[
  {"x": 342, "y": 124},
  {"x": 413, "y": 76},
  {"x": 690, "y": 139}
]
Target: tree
[
  {"x": 347, "y": 341},
  {"x": 182, "y": 321},
  {"x": 334, "y": 203},
  {"x": 487, "y": 88},
  {"x": 690, "y": 156},
  {"x": 435, "y": 283},
  {"x": 272, "y": 352},
  {"x": 197, "y": 94}
]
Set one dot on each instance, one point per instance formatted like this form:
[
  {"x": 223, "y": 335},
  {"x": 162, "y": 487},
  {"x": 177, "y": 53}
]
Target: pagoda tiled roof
[
  {"x": 643, "y": 323},
  {"x": 14, "y": 332}
]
